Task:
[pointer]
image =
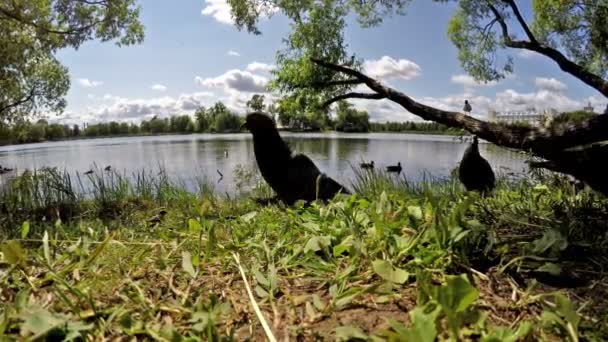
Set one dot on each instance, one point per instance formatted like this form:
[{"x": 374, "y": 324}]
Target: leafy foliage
[{"x": 31, "y": 78}]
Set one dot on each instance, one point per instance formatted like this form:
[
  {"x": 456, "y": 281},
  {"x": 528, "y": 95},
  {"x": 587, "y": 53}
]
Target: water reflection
[{"x": 200, "y": 155}]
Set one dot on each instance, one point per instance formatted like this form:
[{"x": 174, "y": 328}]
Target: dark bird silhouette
[
  {"x": 475, "y": 172},
  {"x": 292, "y": 176},
  {"x": 467, "y": 106},
  {"x": 156, "y": 219},
  {"x": 394, "y": 168},
  {"x": 367, "y": 165},
  {"x": 88, "y": 172},
  {"x": 108, "y": 168}
]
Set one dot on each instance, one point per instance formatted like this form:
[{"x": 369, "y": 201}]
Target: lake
[{"x": 187, "y": 157}]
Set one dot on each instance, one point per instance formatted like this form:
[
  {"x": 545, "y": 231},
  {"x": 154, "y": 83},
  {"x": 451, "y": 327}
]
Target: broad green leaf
[
  {"x": 38, "y": 321},
  {"x": 347, "y": 333},
  {"x": 423, "y": 327},
  {"x": 317, "y": 243},
  {"x": 194, "y": 226},
  {"x": 13, "y": 253},
  {"x": 393, "y": 274},
  {"x": 414, "y": 212},
  {"x": 550, "y": 268},
  {"x": 187, "y": 264},
  {"x": 456, "y": 295}
]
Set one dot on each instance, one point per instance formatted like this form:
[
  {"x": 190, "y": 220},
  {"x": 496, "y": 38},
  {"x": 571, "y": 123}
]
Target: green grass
[{"x": 397, "y": 261}]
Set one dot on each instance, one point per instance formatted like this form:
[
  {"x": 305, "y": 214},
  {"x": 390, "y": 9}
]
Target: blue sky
[{"x": 192, "y": 56}]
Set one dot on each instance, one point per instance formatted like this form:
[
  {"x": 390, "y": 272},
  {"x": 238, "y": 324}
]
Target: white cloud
[
  {"x": 386, "y": 68},
  {"x": 219, "y": 9},
  {"x": 233, "y": 53},
  {"x": 469, "y": 82},
  {"x": 550, "y": 84},
  {"x": 158, "y": 87},
  {"x": 235, "y": 81},
  {"x": 261, "y": 67},
  {"x": 85, "y": 82},
  {"x": 134, "y": 110}
]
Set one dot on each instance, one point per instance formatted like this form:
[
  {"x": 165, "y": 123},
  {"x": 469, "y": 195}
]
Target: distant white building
[{"x": 530, "y": 116}]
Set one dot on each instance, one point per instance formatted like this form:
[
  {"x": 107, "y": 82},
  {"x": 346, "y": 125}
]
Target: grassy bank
[{"x": 396, "y": 261}]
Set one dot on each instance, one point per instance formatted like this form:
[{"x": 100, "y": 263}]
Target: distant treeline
[
  {"x": 408, "y": 126},
  {"x": 206, "y": 120}
]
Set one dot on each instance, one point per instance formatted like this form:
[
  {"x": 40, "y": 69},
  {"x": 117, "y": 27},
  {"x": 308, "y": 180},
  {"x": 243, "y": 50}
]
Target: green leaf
[
  {"x": 45, "y": 247},
  {"x": 348, "y": 333},
  {"x": 317, "y": 243},
  {"x": 194, "y": 226},
  {"x": 456, "y": 295},
  {"x": 25, "y": 229},
  {"x": 550, "y": 268},
  {"x": 261, "y": 278},
  {"x": 38, "y": 321},
  {"x": 423, "y": 328},
  {"x": 187, "y": 264},
  {"x": 552, "y": 241},
  {"x": 393, "y": 274},
  {"x": 415, "y": 212},
  {"x": 311, "y": 226},
  {"x": 249, "y": 216},
  {"x": 13, "y": 253}
]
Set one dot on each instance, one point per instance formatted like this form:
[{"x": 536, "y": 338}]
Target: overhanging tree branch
[
  {"x": 369, "y": 96},
  {"x": 329, "y": 84},
  {"x": 19, "y": 102},
  {"x": 562, "y": 61},
  {"x": 546, "y": 143},
  {"x": 521, "y": 21}
]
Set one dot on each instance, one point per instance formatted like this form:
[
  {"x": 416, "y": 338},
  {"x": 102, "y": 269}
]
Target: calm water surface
[{"x": 187, "y": 157}]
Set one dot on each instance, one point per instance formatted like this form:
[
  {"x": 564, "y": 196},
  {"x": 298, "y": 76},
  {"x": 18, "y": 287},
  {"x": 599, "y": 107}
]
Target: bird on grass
[
  {"x": 108, "y": 168},
  {"x": 157, "y": 219},
  {"x": 467, "y": 106},
  {"x": 88, "y": 172},
  {"x": 292, "y": 176},
  {"x": 367, "y": 165},
  {"x": 394, "y": 168},
  {"x": 474, "y": 171}
]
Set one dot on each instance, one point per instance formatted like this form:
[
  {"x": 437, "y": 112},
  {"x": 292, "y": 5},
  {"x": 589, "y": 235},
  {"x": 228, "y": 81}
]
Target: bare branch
[
  {"x": 521, "y": 20},
  {"x": 23, "y": 100},
  {"x": 545, "y": 143},
  {"x": 330, "y": 84},
  {"x": 369, "y": 96},
  {"x": 562, "y": 61}
]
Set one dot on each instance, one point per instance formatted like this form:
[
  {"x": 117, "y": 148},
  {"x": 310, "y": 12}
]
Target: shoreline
[{"x": 224, "y": 133}]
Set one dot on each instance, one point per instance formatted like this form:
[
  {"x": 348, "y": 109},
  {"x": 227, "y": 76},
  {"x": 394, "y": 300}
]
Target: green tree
[
  {"x": 573, "y": 34},
  {"x": 256, "y": 103},
  {"x": 351, "y": 120},
  {"x": 31, "y": 33},
  {"x": 203, "y": 122},
  {"x": 181, "y": 124},
  {"x": 55, "y": 132}
]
